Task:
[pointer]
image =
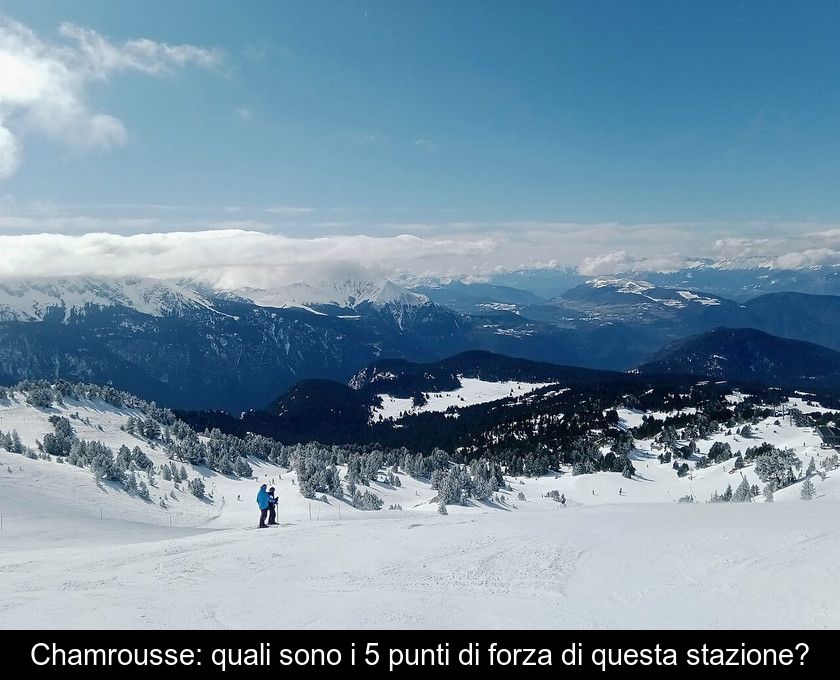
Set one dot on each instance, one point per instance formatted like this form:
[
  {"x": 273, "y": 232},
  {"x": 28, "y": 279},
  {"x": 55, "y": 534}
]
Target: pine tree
[
  {"x": 131, "y": 483},
  {"x": 143, "y": 491},
  {"x": 140, "y": 459},
  {"x": 776, "y": 467},
  {"x": 808, "y": 491},
  {"x": 151, "y": 429},
  {"x": 743, "y": 494},
  {"x": 196, "y": 487},
  {"x": 768, "y": 493},
  {"x": 242, "y": 469},
  {"x": 124, "y": 457},
  {"x": 812, "y": 468}
]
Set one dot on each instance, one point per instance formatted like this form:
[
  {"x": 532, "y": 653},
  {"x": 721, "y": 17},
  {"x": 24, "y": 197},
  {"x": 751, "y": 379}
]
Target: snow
[
  {"x": 74, "y": 554},
  {"x": 472, "y": 391},
  {"x": 512, "y": 332},
  {"x": 346, "y": 294},
  {"x": 688, "y": 295},
  {"x": 623, "y": 285},
  {"x": 633, "y": 417},
  {"x": 31, "y": 300},
  {"x": 589, "y": 567},
  {"x": 807, "y": 405},
  {"x": 500, "y": 306},
  {"x": 642, "y": 288}
]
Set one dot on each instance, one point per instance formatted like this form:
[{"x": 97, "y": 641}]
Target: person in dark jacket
[
  {"x": 263, "y": 503},
  {"x": 272, "y": 506}
]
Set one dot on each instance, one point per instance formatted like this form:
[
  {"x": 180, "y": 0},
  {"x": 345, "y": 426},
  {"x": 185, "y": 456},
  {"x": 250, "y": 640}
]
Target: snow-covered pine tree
[
  {"x": 124, "y": 457},
  {"x": 140, "y": 459},
  {"x": 776, "y": 467},
  {"x": 743, "y": 494},
  {"x": 17, "y": 445},
  {"x": 196, "y": 487},
  {"x": 242, "y": 469},
  {"x": 143, "y": 491},
  {"x": 131, "y": 483}
]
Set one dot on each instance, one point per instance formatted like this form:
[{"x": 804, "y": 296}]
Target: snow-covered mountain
[
  {"x": 191, "y": 346},
  {"x": 34, "y": 299},
  {"x": 610, "y": 289},
  {"x": 339, "y": 296}
]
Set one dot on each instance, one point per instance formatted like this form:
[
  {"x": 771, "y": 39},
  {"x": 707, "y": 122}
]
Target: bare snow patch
[{"x": 472, "y": 391}]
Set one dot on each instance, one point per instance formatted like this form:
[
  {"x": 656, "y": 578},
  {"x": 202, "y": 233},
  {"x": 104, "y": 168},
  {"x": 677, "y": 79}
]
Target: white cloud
[
  {"x": 449, "y": 248},
  {"x": 807, "y": 258},
  {"x": 808, "y": 249},
  {"x": 9, "y": 152},
  {"x": 229, "y": 257},
  {"x": 100, "y": 57},
  {"x": 622, "y": 262},
  {"x": 608, "y": 263},
  {"x": 43, "y": 85}
]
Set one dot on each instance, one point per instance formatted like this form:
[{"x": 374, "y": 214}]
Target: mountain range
[
  {"x": 191, "y": 346},
  {"x": 471, "y": 399}
]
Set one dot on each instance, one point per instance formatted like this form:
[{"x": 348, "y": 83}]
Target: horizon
[{"x": 276, "y": 142}]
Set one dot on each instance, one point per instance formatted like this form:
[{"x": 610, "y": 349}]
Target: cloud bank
[
  {"x": 44, "y": 85},
  {"x": 228, "y": 258},
  {"x": 810, "y": 249}
]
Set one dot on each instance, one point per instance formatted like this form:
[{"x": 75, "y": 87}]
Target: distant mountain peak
[
  {"x": 622, "y": 285},
  {"x": 346, "y": 294},
  {"x": 33, "y": 299}
]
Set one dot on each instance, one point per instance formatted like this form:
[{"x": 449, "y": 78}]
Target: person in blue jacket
[
  {"x": 272, "y": 507},
  {"x": 263, "y": 501}
]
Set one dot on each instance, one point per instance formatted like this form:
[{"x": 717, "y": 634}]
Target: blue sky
[{"x": 678, "y": 125}]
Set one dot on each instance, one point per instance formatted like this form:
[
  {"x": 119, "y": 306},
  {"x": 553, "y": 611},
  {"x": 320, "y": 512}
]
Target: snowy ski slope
[{"x": 74, "y": 554}]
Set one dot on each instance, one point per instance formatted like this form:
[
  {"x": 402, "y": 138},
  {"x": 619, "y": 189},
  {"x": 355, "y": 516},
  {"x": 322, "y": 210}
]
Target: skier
[
  {"x": 619, "y": 491},
  {"x": 272, "y": 506},
  {"x": 263, "y": 503}
]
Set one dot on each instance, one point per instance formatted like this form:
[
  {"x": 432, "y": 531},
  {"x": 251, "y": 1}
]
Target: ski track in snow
[{"x": 606, "y": 560}]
